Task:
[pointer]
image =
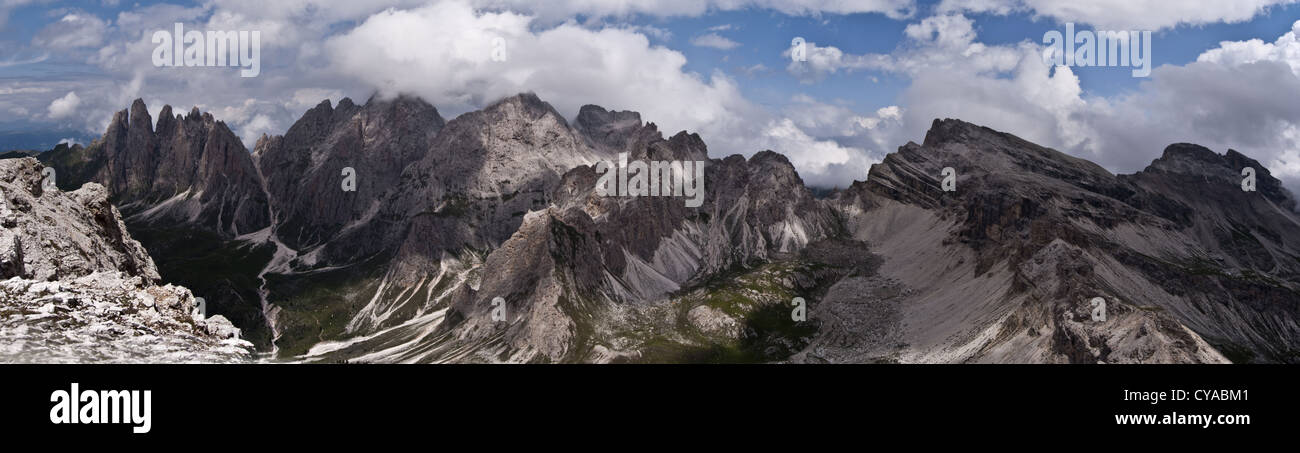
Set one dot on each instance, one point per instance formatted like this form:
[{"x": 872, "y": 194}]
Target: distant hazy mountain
[{"x": 26, "y": 136}]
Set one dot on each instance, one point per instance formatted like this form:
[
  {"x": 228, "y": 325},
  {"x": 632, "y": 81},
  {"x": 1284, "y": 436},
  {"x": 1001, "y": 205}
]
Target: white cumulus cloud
[
  {"x": 65, "y": 106},
  {"x": 74, "y": 30},
  {"x": 715, "y": 41}
]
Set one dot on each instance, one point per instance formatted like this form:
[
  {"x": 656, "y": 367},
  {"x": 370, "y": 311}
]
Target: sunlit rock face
[{"x": 78, "y": 289}]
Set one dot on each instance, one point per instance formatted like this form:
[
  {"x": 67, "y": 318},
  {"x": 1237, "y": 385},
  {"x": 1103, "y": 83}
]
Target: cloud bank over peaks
[
  {"x": 461, "y": 55},
  {"x": 450, "y": 54},
  {"x": 1231, "y": 97}
]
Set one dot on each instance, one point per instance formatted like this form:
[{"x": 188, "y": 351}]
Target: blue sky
[
  {"x": 875, "y": 33},
  {"x": 764, "y": 34},
  {"x": 720, "y": 68}
]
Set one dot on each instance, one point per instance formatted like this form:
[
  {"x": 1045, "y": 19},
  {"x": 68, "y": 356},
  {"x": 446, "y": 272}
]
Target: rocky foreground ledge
[
  {"x": 78, "y": 289},
  {"x": 110, "y": 318}
]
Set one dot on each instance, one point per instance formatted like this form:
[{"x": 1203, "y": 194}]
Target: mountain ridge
[{"x": 449, "y": 215}]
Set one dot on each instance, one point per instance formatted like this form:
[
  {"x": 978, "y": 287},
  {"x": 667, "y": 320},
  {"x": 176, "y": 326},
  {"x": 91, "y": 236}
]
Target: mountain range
[{"x": 483, "y": 239}]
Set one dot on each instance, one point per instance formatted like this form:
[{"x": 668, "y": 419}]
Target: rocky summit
[
  {"x": 1004, "y": 268},
  {"x": 187, "y": 169},
  {"x": 78, "y": 289},
  {"x": 383, "y": 233}
]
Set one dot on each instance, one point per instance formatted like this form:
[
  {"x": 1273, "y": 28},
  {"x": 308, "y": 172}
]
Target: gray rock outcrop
[{"x": 76, "y": 288}]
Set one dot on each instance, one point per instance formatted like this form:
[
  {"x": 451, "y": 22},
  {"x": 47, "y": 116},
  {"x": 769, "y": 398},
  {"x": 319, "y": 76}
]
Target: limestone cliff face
[
  {"x": 304, "y": 172},
  {"x": 481, "y": 174},
  {"x": 190, "y": 170}
]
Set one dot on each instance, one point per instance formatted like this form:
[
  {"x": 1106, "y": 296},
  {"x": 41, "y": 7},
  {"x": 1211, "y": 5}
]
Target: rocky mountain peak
[
  {"x": 596, "y": 122},
  {"x": 691, "y": 143},
  {"x": 193, "y": 169},
  {"x": 523, "y": 106},
  {"x": 303, "y": 169},
  {"x": 1196, "y": 162},
  {"x": 615, "y": 131},
  {"x": 1195, "y": 159},
  {"x": 774, "y": 166},
  {"x": 957, "y": 137},
  {"x": 325, "y": 107},
  {"x": 1190, "y": 151},
  {"x": 310, "y": 127},
  {"x": 166, "y": 121},
  {"x": 951, "y": 130},
  {"x": 195, "y": 116},
  {"x": 771, "y": 158},
  {"x": 140, "y": 119},
  {"x": 402, "y": 100},
  {"x": 411, "y": 112}
]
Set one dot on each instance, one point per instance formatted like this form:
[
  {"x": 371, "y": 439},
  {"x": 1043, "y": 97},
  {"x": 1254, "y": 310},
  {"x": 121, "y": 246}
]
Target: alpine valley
[{"x": 501, "y": 204}]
